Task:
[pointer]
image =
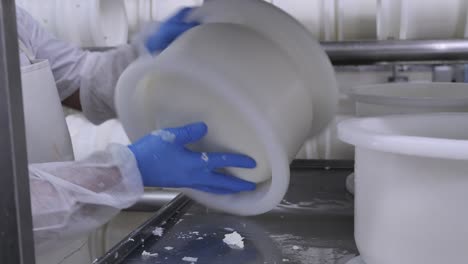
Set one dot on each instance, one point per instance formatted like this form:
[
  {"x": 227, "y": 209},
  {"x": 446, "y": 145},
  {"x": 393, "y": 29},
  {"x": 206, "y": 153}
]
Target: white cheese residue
[
  {"x": 158, "y": 231},
  {"x": 147, "y": 254},
  {"x": 190, "y": 259},
  {"x": 165, "y": 135},
  {"x": 234, "y": 240}
]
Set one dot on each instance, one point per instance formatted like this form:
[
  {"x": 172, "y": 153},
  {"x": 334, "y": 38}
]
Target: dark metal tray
[{"x": 313, "y": 224}]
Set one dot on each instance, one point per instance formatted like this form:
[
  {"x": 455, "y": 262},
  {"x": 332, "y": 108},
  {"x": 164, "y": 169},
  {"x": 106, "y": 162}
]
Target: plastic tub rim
[{"x": 356, "y": 132}]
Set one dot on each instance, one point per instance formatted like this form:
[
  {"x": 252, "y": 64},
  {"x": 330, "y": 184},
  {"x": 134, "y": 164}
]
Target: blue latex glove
[
  {"x": 164, "y": 161},
  {"x": 169, "y": 31}
]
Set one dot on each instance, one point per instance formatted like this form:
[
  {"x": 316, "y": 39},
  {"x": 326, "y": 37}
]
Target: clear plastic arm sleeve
[{"x": 73, "y": 198}]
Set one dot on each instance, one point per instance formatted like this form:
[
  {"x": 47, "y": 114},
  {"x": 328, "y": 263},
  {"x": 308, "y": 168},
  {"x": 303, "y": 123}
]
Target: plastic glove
[
  {"x": 164, "y": 161},
  {"x": 169, "y": 31}
]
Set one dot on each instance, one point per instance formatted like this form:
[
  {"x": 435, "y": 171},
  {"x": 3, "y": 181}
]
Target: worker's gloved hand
[
  {"x": 169, "y": 31},
  {"x": 164, "y": 161}
]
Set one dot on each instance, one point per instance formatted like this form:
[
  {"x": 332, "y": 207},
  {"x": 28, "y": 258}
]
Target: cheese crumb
[
  {"x": 158, "y": 231},
  {"x": 190, "y": 259},
  {"x": 234, "y": 240},
  {"x": 165, "y": 135},
  {"x": 147, "y": 254}
]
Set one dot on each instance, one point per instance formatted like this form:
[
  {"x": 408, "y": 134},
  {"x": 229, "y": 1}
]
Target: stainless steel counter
[{"x": 313, "y": 224}]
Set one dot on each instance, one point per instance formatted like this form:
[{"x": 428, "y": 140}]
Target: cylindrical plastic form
[
  {"x": 411, "y": 187},
  {"x": 249, "y": 109},
  {"x": 246, "y": 86},
  {"x": 410, "y": 98}
]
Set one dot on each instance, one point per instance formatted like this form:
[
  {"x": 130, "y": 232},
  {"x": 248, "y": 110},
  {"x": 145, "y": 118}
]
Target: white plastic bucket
[
  {"x": 411, "y": 187},
  {"x": 356, "y": 19},
  {"x": 218, "y": 95},
  {"x": 288, "y": 33},
  {"x": 432, "y": 19},
  {"x": 246, "y": 85},
  {"x": 410, "y": 98}
]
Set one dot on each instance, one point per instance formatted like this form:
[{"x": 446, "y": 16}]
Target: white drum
[
  {"x": 411, "y": 187},
  {"x": 255, "y": 93}
]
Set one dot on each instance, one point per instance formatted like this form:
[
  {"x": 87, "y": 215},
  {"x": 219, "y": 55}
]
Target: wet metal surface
[{"x": 313, "y": 224}]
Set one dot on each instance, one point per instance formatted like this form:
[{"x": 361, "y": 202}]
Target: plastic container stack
[
  {"x": 327, "y": 20},
  {"x": 332, "y": 20},
  {"x": 87, "y": 23},
  {"x": 100, "y": 23}
]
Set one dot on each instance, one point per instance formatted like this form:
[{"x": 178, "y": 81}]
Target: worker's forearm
[
  {"x": 73, "y": 198},
  {"x": 98, "y": 80},
  {"x": 73, "y": 101},
  {"x": 119, "y": 58}
]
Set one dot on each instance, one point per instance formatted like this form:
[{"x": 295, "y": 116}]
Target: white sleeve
[
  {"x": 74, "y": 198},
  {"x": 94, "y": 73},
  {"x": 98, "y": 79}
]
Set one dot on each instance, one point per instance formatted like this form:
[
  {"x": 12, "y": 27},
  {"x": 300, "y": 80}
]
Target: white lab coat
[
  {"x": 73, "y": 198},
  {"x": 94, "y": 73}
]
